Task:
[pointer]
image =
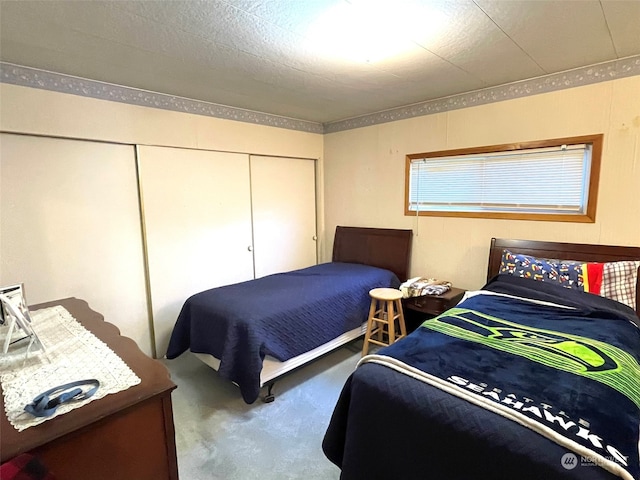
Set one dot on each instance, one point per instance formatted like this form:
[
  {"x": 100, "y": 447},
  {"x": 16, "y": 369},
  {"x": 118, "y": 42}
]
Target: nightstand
[{"x": 418, "y": 309}]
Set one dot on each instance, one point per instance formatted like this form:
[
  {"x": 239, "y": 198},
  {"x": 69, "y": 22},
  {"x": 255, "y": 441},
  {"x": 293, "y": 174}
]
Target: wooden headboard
[
  {"x": 379, "y": 247},
  {"x": 562, "y": 251}
]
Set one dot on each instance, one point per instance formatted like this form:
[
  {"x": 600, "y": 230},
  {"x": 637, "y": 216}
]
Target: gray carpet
[{"x": 218, "y": 436}]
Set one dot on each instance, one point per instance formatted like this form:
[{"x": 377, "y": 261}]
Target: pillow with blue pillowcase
[{"x": 566, "y": 273}]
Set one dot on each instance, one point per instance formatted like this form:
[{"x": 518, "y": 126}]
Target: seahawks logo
[
  {"x": 579, "y": 355},
  {"x": 584, "y": 355}
]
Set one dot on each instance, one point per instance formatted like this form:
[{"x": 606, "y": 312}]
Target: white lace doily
[{"x": 72, "y": 353}]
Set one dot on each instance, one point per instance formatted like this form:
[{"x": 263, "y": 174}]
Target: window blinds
[{"x": 544, "y": 180}]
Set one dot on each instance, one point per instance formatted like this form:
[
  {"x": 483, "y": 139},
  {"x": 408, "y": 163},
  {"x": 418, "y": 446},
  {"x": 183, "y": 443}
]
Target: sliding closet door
[
  {"x": 284, "y": 214},
  {"x": 70, "y": 226},
  {"x": 197, "y": 211}
]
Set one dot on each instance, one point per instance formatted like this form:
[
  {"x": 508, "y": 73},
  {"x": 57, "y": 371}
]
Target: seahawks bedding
[
  {"x": 282, "y": 315},
  {"x": 524, "y": 380}
]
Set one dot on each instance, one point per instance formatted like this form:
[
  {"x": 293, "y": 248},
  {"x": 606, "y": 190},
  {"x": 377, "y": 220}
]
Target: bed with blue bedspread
[
  {"x": 523, "y": 379},
  {"x": 287, "y": 314}
]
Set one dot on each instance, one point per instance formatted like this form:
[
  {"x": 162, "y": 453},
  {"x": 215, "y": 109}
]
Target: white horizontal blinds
[{"x": 545, "y": 180}]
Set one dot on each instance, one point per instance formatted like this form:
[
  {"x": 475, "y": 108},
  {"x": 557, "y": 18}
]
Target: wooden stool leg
[
  {"x": 391, "y": 323},
  {"x": 378, "y": 315},
  {"x": 403, "y": 327},
  {"x": 367, "y": 336}
]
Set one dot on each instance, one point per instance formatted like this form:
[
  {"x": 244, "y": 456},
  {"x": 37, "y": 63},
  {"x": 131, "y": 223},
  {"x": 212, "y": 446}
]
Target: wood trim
[
  {"x": 596, "y": 140},
  {"x": 594, "y": 177},
  {"x": 536, "y": 217},
  {"x": 506, "y": 147}
]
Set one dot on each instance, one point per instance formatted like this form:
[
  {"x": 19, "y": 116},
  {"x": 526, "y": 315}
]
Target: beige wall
[
  {"x": 364, "y": 169},
  {"x": 29, "y": 110},
  {"x": 41, "y": 112}
]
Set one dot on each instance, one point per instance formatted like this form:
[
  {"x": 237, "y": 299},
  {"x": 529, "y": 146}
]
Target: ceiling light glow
[{"x": 369, "y": 30}]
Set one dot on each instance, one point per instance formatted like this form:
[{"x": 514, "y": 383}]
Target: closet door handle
[
  {"x": 250, "y": 248},
  {"x": 315, "y": 238}
]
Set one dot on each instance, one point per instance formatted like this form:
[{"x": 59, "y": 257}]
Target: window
[{"x": 554, "y": 180}]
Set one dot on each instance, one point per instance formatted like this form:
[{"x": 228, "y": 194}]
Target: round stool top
[{"x": 385, "y": 294}]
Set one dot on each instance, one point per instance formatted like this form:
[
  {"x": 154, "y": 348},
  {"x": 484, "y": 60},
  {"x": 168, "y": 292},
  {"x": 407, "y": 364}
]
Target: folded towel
[{"x": 419, "y": 286}]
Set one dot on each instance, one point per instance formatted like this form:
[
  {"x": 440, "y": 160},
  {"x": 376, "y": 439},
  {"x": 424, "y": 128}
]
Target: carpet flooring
[{"x": 218, "y": 436}]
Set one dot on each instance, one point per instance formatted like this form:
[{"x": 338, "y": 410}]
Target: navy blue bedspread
[
  {"x": 431, "y": 433},
  {"x": 282, "y": 315}
]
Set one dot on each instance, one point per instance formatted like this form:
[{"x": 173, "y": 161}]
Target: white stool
[{"x": 386, "y": 308}]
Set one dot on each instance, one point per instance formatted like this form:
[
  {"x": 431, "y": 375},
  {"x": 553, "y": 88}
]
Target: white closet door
[
  {"x": 197, "y": 208},
  {"x": 284, "y": 214},
  {"x": 70, "y": 227}
]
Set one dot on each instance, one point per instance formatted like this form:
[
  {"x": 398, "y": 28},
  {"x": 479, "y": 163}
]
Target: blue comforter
[
  {"x": 282, "y": 315},
  {"x": 474, "y": 375}
]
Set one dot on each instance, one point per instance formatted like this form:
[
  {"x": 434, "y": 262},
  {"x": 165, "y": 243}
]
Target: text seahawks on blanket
[{"x": 543, "y": 411}]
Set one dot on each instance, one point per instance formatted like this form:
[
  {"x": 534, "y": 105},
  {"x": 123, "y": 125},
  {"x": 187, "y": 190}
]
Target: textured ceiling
[{"x": 259, "y": 55}]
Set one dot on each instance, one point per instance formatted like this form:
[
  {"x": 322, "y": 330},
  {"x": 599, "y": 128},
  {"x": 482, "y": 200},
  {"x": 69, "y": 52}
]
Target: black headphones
[{"x": 44, "y": 406}]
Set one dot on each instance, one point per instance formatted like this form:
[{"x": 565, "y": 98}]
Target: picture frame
[
  {"x": 14, "y": 315},
  {"x": 14, "y": 294}
]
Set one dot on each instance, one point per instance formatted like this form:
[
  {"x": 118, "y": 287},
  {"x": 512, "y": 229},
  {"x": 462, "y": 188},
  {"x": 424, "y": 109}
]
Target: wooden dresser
[{"x": 125, "y": 436}]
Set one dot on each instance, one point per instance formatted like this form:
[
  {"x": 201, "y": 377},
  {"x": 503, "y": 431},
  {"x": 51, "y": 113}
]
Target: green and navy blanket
[{"x": 564, "y": 364}]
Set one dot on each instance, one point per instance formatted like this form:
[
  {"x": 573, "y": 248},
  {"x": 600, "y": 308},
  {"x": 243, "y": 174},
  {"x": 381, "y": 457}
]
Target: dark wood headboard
[
  {"x": 379, "y": 247},
  {"x": 563, "y": 251}
]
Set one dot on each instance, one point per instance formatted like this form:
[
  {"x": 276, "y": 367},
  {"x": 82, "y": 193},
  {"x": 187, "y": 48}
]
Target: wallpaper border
[
  {"x": 57, "y": 82},
  {"x": 42, "y": 79},
  {"x": 625, "y": 67}
]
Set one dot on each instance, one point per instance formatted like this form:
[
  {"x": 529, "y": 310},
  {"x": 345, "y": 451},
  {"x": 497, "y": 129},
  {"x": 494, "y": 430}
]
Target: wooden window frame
[{"x": 596, "y": 141}]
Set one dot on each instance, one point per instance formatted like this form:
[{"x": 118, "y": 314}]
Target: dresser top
[{"x": 154, "y": 376}]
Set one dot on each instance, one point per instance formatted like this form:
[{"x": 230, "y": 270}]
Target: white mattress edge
[{"x": 273, "y": 368}]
